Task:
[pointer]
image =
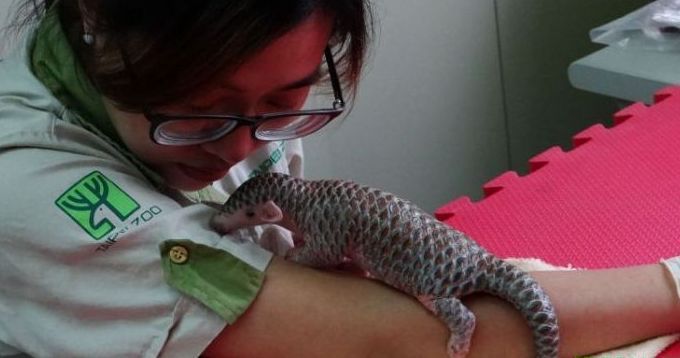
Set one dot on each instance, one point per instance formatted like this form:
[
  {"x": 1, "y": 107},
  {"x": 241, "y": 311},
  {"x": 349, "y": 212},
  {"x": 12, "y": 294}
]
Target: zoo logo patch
[{"x": 97, "y": 204}]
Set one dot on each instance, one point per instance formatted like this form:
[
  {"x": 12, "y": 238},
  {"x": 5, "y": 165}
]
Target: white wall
[{"x": 428, "y": 123}]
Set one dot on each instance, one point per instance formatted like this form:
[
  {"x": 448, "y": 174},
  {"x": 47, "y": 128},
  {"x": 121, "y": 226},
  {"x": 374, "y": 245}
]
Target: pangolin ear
[{"x": 270, "y": 213}]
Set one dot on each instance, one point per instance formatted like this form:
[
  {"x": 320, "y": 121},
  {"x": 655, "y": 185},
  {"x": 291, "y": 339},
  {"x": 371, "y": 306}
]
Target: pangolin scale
[{"x": 401, "y": 245}]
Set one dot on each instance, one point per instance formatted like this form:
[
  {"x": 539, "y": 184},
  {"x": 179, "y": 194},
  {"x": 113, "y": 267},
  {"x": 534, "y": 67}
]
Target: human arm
[
  {"x": 301, "y": 312},
  {"x": 598, "y": 310}
]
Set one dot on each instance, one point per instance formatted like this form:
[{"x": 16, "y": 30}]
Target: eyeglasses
[{"x": 191, "y": 129}]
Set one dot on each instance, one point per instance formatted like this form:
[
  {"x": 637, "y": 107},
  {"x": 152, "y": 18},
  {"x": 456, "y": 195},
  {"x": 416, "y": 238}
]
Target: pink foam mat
[{"x": 612, "y": 200}]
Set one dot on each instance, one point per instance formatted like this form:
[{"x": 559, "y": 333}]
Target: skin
[
  {"x": 302, "y": 312},
  {"x": 598, "y": 310},
  {"x": 307, "y": 313}
]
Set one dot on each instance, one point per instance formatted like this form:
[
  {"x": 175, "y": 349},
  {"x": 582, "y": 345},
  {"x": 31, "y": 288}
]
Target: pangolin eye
[{"x": 250, "y": 213}]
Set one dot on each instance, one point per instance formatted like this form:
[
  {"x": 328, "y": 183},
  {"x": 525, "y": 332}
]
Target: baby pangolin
[{"x": 333, "y": 221}]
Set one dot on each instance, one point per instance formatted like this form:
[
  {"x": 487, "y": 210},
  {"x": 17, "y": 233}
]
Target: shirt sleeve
[{"x": 80, "y": 268}]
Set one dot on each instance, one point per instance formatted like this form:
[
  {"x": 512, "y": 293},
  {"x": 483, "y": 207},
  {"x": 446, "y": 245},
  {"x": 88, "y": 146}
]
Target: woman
[{"x": 116, "y": 117}]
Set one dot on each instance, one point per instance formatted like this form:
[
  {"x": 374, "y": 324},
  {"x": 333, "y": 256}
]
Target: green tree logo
[{"x": 97, "y": 204}]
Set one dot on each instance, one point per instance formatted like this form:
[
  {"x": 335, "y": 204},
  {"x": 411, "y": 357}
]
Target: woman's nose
[{"x": 235, "y": 146}]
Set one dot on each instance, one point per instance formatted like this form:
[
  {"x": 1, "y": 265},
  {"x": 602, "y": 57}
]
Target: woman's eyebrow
[{"x": 306, "y": 81}]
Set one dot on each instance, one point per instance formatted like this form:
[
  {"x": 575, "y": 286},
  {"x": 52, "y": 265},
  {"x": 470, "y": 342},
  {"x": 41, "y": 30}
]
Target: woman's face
[{"x": 277, "y": 76}]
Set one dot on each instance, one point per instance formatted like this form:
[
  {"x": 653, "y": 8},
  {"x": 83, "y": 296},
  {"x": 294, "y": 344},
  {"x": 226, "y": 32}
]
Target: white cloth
[
  {"x": 280, "y": 157},
  {"x": 673, "y": 267}
]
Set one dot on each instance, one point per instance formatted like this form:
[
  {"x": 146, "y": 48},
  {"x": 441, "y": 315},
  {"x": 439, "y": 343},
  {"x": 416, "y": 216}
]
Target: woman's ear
[{"x": 269, "y": 212}]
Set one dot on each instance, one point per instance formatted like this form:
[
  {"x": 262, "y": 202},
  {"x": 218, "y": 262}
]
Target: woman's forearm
[
  {"x": 603, "y": 309},
  {"x": 598, "y": 310},
  {"x": 350, "y": 316}
]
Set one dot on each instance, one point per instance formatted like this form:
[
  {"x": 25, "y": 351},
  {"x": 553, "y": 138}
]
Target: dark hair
[{"x": 201, "y": 37}]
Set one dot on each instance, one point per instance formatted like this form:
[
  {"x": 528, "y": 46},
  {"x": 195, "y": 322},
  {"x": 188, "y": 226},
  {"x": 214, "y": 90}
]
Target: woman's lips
[{"x": 203, "y": 174}]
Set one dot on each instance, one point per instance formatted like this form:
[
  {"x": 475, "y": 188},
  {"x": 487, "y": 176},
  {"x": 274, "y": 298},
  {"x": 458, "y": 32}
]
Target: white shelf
[{"x": 632, "y": 75}]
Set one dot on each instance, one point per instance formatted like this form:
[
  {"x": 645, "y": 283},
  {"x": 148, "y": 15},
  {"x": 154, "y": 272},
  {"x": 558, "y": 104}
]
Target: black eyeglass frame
[{"x": 157, "y": 119}]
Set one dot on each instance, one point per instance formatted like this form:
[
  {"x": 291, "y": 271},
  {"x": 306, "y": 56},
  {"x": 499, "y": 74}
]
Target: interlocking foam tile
[{"x": 612, "y": 200}]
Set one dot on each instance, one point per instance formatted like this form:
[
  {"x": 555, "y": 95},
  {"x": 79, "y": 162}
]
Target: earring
[{"x": 88, "y": 38}]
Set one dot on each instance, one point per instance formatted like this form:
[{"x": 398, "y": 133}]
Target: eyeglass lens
[
  {"x": 291, "y": 127},
  {"x": 189, "y": 131}
]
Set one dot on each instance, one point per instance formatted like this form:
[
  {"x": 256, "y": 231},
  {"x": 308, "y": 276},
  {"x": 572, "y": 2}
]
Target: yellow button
[{"x": 179, "y": 254}]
